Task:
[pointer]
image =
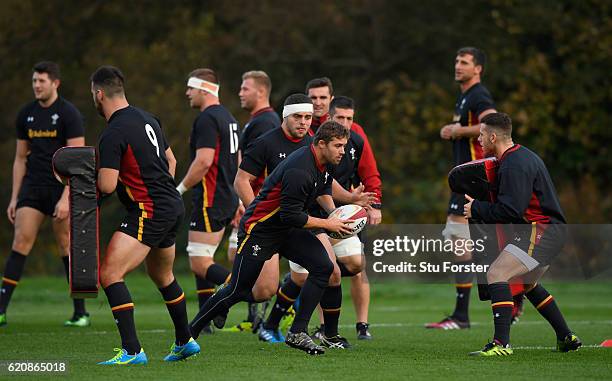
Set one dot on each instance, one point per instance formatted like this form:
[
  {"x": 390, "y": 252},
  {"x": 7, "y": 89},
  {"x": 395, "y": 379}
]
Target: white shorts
[
  {"x": 522, "y": 256},
  {"x": 456, "y": 229},
  {"x": 343, "y": 248}
]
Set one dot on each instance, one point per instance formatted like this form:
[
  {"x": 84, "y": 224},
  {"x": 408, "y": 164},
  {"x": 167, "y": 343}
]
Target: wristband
[{"x": 181, "y": 188}]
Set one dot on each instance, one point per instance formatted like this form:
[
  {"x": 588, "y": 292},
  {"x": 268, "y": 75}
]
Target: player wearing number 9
[{"x": 136, "y": 160}]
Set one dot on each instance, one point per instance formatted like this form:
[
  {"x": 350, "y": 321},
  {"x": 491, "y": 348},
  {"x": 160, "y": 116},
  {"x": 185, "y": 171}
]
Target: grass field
[{"x": 401, "y": 349}]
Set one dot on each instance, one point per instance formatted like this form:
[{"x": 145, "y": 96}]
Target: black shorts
[
  {"x": 297, "y": 245},
  {"x": 155, "y": 233},
  {"x": 211, "y": 219},
  {"x": 43, "y": 199},
  {"x": 537, "y": 244},
  {"x": 455, "y": 204}
]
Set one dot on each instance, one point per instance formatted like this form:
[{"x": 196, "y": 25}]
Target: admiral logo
[{"x": 41, "y": 133}]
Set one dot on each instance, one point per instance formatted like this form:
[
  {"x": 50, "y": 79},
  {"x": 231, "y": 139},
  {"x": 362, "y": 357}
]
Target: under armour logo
[
  {"x": 192, "y": 224},
  {"x": 256, "y": 248},
  {"x": 54, "y": 118},
  {"x": 454, "y": 206},
  {"x": 282, "y": 155},
  {"x": 352, "y": 151},
  {"x": 124, "y": 224},
  {"x": 30, "y": 119}
]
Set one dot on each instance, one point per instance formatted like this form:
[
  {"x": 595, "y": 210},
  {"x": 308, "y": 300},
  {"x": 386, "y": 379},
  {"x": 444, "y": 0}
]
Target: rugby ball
[{"x": 350, "y": 212}]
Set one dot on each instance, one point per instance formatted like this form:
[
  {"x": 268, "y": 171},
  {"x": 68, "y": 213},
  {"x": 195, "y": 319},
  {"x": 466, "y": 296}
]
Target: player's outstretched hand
[
  {"x": 337, "y": 225},
  {"x": 361, "y": 198},
  {"x": 374, "y": 216}
]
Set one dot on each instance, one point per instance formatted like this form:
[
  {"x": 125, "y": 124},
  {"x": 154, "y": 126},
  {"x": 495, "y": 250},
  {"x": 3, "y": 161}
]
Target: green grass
[{"x": 402, "y": 348}]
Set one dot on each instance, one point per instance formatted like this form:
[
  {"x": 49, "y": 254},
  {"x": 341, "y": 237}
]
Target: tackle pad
[{"x": 76, "y": 166}]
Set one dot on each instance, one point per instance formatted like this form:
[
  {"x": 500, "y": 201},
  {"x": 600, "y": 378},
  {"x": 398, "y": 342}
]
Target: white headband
[
  {"x": 201, "y": 84},
  {"x": 298, "y": 107}
]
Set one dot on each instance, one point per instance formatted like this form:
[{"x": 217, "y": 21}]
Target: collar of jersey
[
  {"x": 320, "y": 167},
  {"x": 509, "y": 151}
]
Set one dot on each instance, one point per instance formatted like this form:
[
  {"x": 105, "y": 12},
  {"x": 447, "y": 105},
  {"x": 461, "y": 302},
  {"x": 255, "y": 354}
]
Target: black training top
[
  {"x": 526, "y": 193},
  {"x": 469, "y": 106},
  {"x": 216, "y": 128},
  {"x": 289, "y": 191},
  {"x": 133, "y": 144},
  {"x": 47, "y": 130},
  {"x": 261, "y": 122},
  {"x": 269, "y": 151}
]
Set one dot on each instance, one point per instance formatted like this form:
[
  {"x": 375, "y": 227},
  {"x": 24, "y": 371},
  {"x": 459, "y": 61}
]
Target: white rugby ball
[{"x": 350, "y": 212}]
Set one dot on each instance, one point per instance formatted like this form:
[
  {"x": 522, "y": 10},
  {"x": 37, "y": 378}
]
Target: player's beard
[{"x": 99, "y": 108}]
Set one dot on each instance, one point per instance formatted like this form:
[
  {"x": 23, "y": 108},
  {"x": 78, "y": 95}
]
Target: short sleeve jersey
[
  {"x": 47, "y": 130},
  {"x": 134, "y": 144},
  {"x": 469, "y": 106},
  {"x": 262, "y": 121},
  {"x": 269, "y": 151},
  {"x": 216, "y": 128},
  {"x": 289, "y": 191}
]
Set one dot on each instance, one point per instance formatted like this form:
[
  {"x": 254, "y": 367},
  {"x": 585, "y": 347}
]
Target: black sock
[
  {"x": 547, "y": 307},
  {"x": 331, "y": 301},
  {"x": 310, "y": 296},
  {"x": 79, "y": 304},
  {"x": 12, "y": 273},
  {"x": 252, "y": 311},
  {"x": 205, "y": 290},
  {"x": 463, "y": 285},
  {"x": 123, "y": 311},
  {"x": 501, "y": 304},
  {"x": 177, "y": 307},
  {"x": 285, "y": 297},
  {"x": 217, "y": 274},
  {"x": 344, "y": 271}
]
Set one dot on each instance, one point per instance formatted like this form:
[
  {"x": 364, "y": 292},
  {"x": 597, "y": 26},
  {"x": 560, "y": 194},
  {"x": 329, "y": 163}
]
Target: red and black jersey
[
  {"x": 526, "y": 193},
  {"x": 289, "y": 191},
  {"x": 216, "y": 128},
  {"x": 47, "y": 130},
  {"x": 134, "y": 144},
  {"x": 269, "y": 151},
  {"x": 261, "y": 121},
  {"x": 469, "y": 106},
  {"x": 367, "y": 170}
]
